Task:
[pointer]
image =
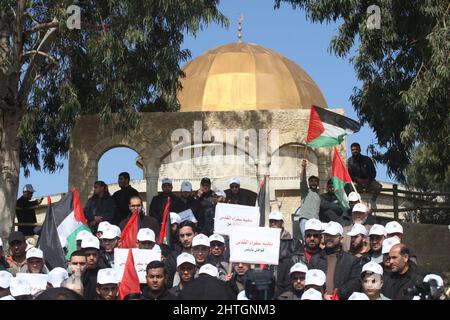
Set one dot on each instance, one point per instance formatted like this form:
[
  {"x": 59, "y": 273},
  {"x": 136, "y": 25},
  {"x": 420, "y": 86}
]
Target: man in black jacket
[
  {"x": 144, "y": 221},
  {"x": 403, "y": 276},
  {"x": 341, "y": 268},
  {"x": 91, "y": 249},
  {"x": 25, "y": 209},
  {"x": 156, "y": 288},
  {"x": 122, "y": 197},
  {"x": 159, "y": 201},
  {"x": 363, "y": 172},
  {"x": 236, "y": 195},
  {"x": 329, "y": 205},
  {"x": 206, "y": 211},
  {"x": 100, "y": 207},
  {"x": 207, "y": 286}
]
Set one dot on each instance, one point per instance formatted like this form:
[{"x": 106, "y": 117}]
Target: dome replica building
[{"x": 244, "y": 112}]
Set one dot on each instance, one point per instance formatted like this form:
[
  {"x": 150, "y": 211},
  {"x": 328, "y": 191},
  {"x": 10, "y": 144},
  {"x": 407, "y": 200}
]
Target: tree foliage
[
  {"x": 404, "y": 68},
  {"x": 125, "y": 59}
]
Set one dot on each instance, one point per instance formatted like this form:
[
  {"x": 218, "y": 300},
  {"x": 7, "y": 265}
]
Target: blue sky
[{"x": 285, "y": 31}]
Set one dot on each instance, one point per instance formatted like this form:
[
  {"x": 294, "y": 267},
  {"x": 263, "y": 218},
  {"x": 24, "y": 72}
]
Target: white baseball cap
[
  {"x": 313, "y": 224},
  {"x": 439, "y": 280},
  {"x": 298, "y": 267},
  {"x": 235, "y": 180},
  {"x": 102, "y": 226},
  {"x": 315, "y": 277},
  {"x": 146, "y": 234},
  {"x": 19, "y": 287},
  {"x": 393, "y": 227},
  {"x": 388, "y": 244},
  {"x": 220, "y": 193},
  {"x": 241, "y": 295},
  {"x": 90, "y": 242},
  {"x": 311, "y": 294},
  {"x": 377, "y": 229},
  {"x": 1, "y": 242},
  {"x": 174, "y": 218},
  {"x": 166, "y": 180},
  {"x": 35, "y": 253},
  {"x": 359, "y": 207},
  {"x": 216, "y": 237},
  {"x": 29, "y": 188},
  {"x": 209, "y": 269},
  {"x": 357, "y": 229},
  {"x": 109, "y": 233},
  {"x": 83, "y": 234},
  {"x": 5, "y": 279},
  {"x": 107, "y": 275},
  {"x": 333, "y": 228},
  {"x": 56, "y": 276},
  {"x": 353, "y": 196},
  {"x": 358, "y": 296},
  {"x": 200, "y": 240},
  {"x": 118, "y": 231},
  {"x": 185, "y": 258},
  {"x": 276, "y": 215},
  {"x": 373, "y": 267},
  {"x": 186, "y": 186}
]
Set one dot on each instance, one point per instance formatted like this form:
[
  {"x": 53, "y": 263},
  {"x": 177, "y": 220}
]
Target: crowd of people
[{"x": 339, "y": 254}]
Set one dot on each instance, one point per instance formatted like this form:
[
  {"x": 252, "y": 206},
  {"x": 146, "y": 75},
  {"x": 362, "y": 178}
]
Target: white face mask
[{"x": 372, "y": 282}]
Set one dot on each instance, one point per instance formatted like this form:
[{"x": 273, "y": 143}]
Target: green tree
[
  {"x": 124, "y": 59},
  {"x": 404, "y": 67}
]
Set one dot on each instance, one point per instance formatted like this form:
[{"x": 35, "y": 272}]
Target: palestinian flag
[
  {"x": 340, "y": 177},
  {"x": 261, "y": 202},
  {"x": 327, "y": 128},
  {"x": 64, "y": 219}
]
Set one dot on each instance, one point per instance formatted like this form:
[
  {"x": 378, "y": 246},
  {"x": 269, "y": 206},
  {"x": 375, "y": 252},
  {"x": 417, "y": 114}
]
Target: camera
[
  {"x": 259, "y": 284},
  {"x": 425, "y": 290}
]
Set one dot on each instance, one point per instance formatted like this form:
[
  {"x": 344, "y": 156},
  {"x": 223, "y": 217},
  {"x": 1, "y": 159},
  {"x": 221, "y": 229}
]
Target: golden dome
[{"x": 246, "y": 76}]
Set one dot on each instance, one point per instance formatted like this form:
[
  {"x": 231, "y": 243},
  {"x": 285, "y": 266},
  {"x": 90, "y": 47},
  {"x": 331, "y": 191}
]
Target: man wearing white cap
[
  {"x": 286, "y": 242},
  {"x": 311, "y": 294},
  {"x": 186, "y": 270},
  {"x": 35, "y": 262},
  {"x": 394, "y": 229},
  {"x": 159, "y": 201},
  {"x": 200, "y": 249},
  {"x": 342, "y": 269},
  {"x": 207, "y": 286},
  {"x": 56, "y": 276},
  {"x": 80, "y": 236},
  {"x": 372, "y": 281},
  {"x": 346, "y": 218},
  {"x": 388, "y": 243},
  {"x": 315, "y": 279},
  {"x": 236, "y": 195},
  {"x": 25, "y": 209},
  {"x": 5, "y": 280},
  {"x": 310, "y": 205},
  {"x": 297, "y": 274},
  {"x": 360, "y": 214},
  {"x": 91, "y": 249},
  {"x": 220, "y": 196},
  {"x": 358, "y": 240},
  {"x": 376, "y": 238},
  {"x": 311, "y": 244},
  {"x": 102, "y": 226},
  {"x": 107, "y": 284},
  {"x": 109, "y": 240},
  {"x": 216, "y": 254},
  {"x": 146, "y": 238},
  {"x": 404, "y": 274}
]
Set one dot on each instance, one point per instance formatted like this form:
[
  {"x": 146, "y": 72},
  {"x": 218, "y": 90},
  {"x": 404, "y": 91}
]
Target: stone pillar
[
  {"x": 83, "y": 173},
  {"x": 151, "y": 176},
  {"x": 262, "y": 169}
]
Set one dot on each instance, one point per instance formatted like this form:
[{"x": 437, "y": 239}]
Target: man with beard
[
  {"x": 403, "y": 276},
  {"x": 313, "y": 237},
  {"x": 216, "y": 254},
  {"x": 186, "y": 268},
  {"x": 206, "y": 211},
  {"x": 363, "y": 172},
  {"x": 144, "y": 221},
  {"x": 341, "y": 268},
  {"x": 110, "y": 240},
  {"x": 200, "y": 249},
  {"x": 376, "y": 238},
  {"x": 310, "y": 206},
  {"x": 100, "y": 207},
  {"x": 297, "y": 274},
  {"x": 91, "y": 249},
  {"x": 358, "y": 245},
  {"x": 235, "y": 195},
  {"x": 360, "y": 215}
]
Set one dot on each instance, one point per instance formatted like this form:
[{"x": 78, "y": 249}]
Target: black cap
[
  {"x": 313, "y": 177},
  {"x": 16, "y": 236},
  {"x": 205, "y": 181}
]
